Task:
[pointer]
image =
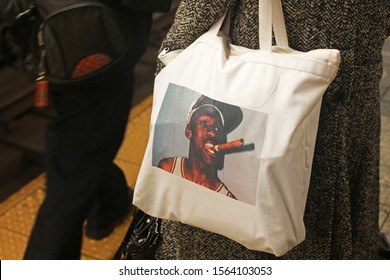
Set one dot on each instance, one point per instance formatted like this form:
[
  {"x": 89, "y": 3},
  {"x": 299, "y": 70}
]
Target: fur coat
[{"x": 342, "y": 210}]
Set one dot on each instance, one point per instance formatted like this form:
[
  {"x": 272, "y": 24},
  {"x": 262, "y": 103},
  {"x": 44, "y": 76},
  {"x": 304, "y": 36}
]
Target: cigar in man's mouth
[{"x": 229, "y": 145}]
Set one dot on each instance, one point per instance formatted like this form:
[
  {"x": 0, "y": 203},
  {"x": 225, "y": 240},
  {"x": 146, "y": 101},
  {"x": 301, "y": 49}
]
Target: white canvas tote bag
[{"x": 232, "y": 138}]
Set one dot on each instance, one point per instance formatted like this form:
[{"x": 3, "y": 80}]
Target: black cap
[{"x": 231, "y": 115}]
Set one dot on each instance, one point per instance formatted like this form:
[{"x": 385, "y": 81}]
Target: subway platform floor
[{"x": 18, "y": 212}]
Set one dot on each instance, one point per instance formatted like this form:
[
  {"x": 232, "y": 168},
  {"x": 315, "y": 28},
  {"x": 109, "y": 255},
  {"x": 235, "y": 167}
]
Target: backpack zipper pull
[{"x": 41, "y": 97}]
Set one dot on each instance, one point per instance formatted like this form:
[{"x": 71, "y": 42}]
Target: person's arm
[{"x": 166, "y": 164}]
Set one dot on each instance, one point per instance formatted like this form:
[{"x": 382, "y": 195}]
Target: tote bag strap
[{"x": 270, "y": 19}]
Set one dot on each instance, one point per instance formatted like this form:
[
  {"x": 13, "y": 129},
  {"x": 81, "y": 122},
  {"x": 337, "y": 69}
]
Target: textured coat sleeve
[{"x": 192, "y": 19}]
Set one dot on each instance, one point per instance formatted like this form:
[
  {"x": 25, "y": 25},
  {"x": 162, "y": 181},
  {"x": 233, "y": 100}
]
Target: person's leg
[
  {"x": 113, "y": 201},
  {"x": 81, "y": 144},
  {"x": 70, "y": 183}
]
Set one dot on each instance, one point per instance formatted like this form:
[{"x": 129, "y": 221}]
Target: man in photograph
[{"x": 208, "y": 123}]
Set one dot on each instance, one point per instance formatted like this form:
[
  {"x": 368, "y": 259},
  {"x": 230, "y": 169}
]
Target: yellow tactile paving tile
[
  {"x": 12, "y": 245},
  {"x": 137, "y": 133},
  {"x": 140, "y": 107},
  {"x": 21, "y": 217},
  {"x": 24, "y": 192},
  {"x": 17, "y": 215}
]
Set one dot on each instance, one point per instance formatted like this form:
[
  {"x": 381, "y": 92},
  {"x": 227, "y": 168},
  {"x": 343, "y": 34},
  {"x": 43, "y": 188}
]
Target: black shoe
[{"x": 100, "y": 227}]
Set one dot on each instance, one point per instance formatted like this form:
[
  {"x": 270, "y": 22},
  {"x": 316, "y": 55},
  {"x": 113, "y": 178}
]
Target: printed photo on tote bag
[
  {"x": 232, "y": 137},
  {"x": 194, "y": 133}
]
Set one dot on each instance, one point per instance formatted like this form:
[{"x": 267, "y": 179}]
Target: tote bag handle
[{"x": 270, "y": 19}]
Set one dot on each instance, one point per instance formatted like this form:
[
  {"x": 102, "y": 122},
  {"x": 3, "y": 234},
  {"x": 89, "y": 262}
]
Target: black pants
[{"x": 81, "y": 144}]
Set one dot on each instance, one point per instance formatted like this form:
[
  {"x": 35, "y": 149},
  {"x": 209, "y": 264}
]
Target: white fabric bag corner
[{"x": 270, "y": 98}]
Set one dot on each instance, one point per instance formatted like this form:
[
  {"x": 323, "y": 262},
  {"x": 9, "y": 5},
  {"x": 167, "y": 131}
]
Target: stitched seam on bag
[{"x": 314, "y": 67}]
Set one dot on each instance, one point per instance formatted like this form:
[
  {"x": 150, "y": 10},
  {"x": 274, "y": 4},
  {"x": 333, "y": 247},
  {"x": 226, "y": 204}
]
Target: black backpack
[
  {"x": 79, "y": 40},
  {"x": 70, "y": 30},
  {"x": 67, "y": 33},
  {"x": 78, "y": 43}
]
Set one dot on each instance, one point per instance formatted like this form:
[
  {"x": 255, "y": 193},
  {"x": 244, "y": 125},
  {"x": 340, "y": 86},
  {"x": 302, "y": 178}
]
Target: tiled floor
[{"x": 17, "y": 213}]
